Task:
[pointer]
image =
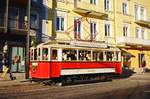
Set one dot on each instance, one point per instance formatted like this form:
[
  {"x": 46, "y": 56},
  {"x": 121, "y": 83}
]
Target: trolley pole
[{"x": 28, "y": 41}]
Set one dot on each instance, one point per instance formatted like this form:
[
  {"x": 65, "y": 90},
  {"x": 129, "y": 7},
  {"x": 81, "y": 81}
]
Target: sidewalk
[{"x": 4, "y": 83}]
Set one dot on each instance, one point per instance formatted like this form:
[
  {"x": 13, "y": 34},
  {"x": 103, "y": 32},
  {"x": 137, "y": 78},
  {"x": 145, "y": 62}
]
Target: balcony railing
[
  {"x": 145, "y": 22},
  {"x": 2, "y": 21},
  {"x": 84, "y": 7},
  {"x": 133, "y": 41},
  {"x": 2, "y": 24},
  {"x": 16, "y": 19}
]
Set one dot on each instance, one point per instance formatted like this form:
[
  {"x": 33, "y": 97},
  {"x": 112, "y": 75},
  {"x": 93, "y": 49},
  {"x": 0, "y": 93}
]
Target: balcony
[
  {"x": 2, "y": 24},
  {"x": 133, "y": 41},
  {"x": 143, "y": 22},
  {"x": 86, "y": 9},
  {"x": 17, "y": 21}
]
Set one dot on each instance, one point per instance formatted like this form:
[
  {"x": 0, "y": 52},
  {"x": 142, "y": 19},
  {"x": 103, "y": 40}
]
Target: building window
[
  {"x": 34, "y": 21},
  {"x": 136, "y": 11},
  {"x": 125, "y": 8},
  {"x": 107, "y": 29},
  {"x": 93, "y": 2},
  {"x": 125, "y": 30},
  {"x": 138, "y": 32},
  {"x": 77, "y": 28},
  {"x": 93, "y": 30},
  {"x": 143, "y": 33},
  {"x": 142, "y": 11},
  {"x": 60, "y": 23},
  {"x": 107, "y": 5}
]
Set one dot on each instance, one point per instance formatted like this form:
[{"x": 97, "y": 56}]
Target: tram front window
[
  {"x": 54, "y": 54},
  {"x": 45, "y": 54}
]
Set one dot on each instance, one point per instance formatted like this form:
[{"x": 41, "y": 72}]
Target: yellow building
[
  {"x": 115, "y": 23},
  {"x": 132, "y": 30}
]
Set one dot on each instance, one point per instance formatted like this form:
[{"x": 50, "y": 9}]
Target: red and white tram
[{"x": 58, "y": 61}]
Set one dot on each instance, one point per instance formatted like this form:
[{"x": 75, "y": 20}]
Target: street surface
[{"x": 134, "y": 87}]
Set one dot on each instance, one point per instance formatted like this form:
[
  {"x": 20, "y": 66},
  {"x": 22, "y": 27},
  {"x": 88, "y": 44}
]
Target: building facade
[
  {"x": 123, "y": 24},
  {"x": 13, "y": 30},
  {"x": 133, "y": 32},
  {"x": 120, "y": 24}
]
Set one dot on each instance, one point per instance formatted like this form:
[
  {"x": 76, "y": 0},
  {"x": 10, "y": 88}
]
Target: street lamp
[{"x": 28, "y": 41}]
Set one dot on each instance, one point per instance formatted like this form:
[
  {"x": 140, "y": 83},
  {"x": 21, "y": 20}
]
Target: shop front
[
  {"x": 136, "y": 58},
  {"x": 17, "y": 59}
]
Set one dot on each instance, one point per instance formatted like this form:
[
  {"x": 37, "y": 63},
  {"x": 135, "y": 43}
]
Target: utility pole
[
  {"x": 6, "y": 17},
  {"x": 27, "y": 67}
]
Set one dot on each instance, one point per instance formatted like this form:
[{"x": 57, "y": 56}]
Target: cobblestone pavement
[{"x": 134, "y": 87}]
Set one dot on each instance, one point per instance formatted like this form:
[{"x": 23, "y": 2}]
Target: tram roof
[{"x": 77, "y": 45}]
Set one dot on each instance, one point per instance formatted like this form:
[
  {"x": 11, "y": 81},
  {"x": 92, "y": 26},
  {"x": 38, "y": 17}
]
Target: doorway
[
  {"x": 142, "y": 61},
  {"x": 17, "y": 59}
]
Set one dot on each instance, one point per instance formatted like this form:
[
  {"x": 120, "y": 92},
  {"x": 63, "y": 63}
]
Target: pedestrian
[
  {"x": 143, "y": 66},
  {"x": 6, "y": 64}
]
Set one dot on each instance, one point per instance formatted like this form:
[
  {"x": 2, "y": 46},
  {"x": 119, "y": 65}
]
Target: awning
[
  {"x": 124, "y": 51},
  {"x": 90, "y": 13}
]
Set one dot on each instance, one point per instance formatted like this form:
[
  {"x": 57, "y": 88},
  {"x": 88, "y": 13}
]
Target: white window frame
[
  {"x": 93, "y": 34},
  {"x": 61, "y": 14},
  {"x": 127, "y": 30},
  {"x": 125, "y": 8},
  {"x": 93, "y": 2},
  {"x": 35, "y": 23},
  {"x": 143, "y": 33},
  {"x": 76, "y": 18},
  {"x": 138, "y": 32},
  {"x": 143, "y": 15},
  {"x": 138, "y": 15},
  {"x": 107, "y": 5},
  {"x": 60, "y": 28},
  {"x": 136, "y": 11},
  {"x": 107, "y": 28}
]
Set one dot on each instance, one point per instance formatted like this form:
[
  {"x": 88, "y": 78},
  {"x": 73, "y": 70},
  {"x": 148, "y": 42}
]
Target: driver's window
[{"x": 54, "y": 54}]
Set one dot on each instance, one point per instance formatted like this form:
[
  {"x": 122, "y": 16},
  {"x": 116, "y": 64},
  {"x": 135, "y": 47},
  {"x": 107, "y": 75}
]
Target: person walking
[
  {"x": 143, "y": 66},
  {"x": 6, "y": 64}
]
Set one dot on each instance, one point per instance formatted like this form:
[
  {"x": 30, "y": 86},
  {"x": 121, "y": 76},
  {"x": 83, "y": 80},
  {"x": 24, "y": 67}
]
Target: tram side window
[
  {"x": 69, "y": 55},
  {"x": 95, "y": 56},
  {"x": 45, "y": 54},
  {"x": 39, "y": 54},
  {"x": 85, "y": 55},
  {"x": 100, "y": 56},
  {"x": 54, "y": 54},
  {"x": 109, "y": 56}
]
